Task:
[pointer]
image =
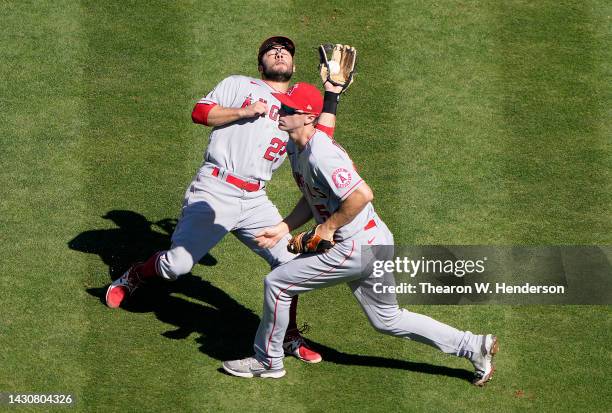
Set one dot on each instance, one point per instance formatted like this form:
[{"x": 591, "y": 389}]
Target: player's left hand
[
  {"x": 332, "y": 88},
  {"x": 337, "y": 66},
  {"x": 269, "y": 237}
]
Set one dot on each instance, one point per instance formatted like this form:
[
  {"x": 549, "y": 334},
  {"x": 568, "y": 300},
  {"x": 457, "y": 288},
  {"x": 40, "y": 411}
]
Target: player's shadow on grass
[
  {"x": 135, "y": 239},
  {"x": 191, "y": 305},
  {"x": 331, "y": 355},
  {"x": 224, "y": 327}
]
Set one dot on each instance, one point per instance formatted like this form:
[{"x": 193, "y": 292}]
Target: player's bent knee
[
  {"x": 380, "y": 326},
  {"x": 388, "y": 329},
  {"x": 386, "y": 323},
  {"x": 269, "y": 285},
  {"x": 174, "y": 263},
  {"x": 272, "y": 286}
]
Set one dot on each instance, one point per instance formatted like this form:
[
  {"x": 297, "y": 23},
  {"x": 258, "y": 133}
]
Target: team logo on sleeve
[
  {"x": 341, "y": 177},
  {"x": 247, "y": 101}
]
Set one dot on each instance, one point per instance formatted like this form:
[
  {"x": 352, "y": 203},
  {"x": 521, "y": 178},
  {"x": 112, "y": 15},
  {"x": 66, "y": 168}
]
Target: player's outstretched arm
[
  {"x": 327, "y": 119},
  {"x": 300, "y": 215},
  {"x": 336, "y": 67},
  {"x": 348, "y": 210},
  {"x": 215, "y": 115}
]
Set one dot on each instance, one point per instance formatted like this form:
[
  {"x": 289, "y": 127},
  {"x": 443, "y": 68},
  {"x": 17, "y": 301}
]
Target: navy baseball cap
[{"x": 273, "y": 41}]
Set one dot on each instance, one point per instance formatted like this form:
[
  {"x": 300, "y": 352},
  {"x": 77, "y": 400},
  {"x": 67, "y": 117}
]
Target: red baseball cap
[
  {"x": 303, "y": 97},
  {"x": 274, "y": 41}
]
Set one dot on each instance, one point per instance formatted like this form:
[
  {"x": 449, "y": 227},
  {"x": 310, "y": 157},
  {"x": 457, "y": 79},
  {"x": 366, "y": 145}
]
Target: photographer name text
[{"x": 476, "y": 288}]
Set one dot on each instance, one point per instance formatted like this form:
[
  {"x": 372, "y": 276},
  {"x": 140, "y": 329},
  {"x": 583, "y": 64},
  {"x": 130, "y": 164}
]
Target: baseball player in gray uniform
[
  {"x": 227, "y": 193},
  {"x": 340, "y": 202}
]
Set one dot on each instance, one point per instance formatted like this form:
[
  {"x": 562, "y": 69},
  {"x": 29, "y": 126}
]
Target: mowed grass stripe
[
  {"x": 137, "y": 151},
  {"x": 454, "y": 189},
  {"x": 554, "y": 188},
  {"x": 472, "y": 206},
  {"x": 41, "y": 202},
  {"x": 448, "y": 124},
  {"x": 555, "y": 100},
  {"x": 442, "y": 123}
]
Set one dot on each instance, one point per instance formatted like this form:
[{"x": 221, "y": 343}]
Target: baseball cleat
[
  {"x": 251, "y": 367},
  {"x": 295, "y": 345},
  {"x": 483, "y": 362},
  {"x": 122, "y": 286}
]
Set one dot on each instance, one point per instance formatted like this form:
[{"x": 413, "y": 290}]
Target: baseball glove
[
  {"x": 337, "y": 64},
  {"x": 309, "y": 241}
]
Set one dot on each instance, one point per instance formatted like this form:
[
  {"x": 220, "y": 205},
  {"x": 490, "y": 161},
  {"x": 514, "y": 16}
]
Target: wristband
[{"x": 330, "y": 102}]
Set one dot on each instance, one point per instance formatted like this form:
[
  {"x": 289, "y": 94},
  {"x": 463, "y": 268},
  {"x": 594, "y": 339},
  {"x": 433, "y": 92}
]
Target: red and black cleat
[
  {"x": 123, "y": 286},
  {"x": 295, "y": 345}
]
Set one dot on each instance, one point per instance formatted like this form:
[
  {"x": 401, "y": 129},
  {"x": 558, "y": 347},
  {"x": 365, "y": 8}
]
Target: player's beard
[{"x": 279, "y": 74}]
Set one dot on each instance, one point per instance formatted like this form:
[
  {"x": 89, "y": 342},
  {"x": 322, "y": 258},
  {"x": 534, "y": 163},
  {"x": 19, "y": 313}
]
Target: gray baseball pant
[
  {"x": 213, "y": 207},
  {"x": 342, "y": 264}
]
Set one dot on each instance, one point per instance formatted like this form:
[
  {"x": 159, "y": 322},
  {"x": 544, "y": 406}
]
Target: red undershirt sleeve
[
  {"x": 200, "y": 113},
  {"x": 326, "y": 129}
]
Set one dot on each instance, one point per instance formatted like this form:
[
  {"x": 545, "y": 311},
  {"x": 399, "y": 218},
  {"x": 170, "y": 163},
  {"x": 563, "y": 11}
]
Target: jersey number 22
[{"x": 276, "y": 150}]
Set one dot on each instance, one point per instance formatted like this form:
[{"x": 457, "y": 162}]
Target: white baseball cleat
[
  {"x": 251, "y": 367},
  {"x": 122, "y": 286},
  {"x": 483, "y": 361}
]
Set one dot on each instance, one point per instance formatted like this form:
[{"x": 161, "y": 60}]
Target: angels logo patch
[{"x": 341, "y": 177}]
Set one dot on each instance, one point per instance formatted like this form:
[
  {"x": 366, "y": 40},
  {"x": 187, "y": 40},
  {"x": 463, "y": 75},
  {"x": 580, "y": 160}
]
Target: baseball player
[
  {"x": 340, "y": 202},
  {"x": 227, "y": 193}
]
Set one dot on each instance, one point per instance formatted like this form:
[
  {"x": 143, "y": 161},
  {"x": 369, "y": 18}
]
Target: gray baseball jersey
[
  {"x": 249, "y": 150},
  {"x": 326, "y": 176},
  {"x": 254, "y": 147}
]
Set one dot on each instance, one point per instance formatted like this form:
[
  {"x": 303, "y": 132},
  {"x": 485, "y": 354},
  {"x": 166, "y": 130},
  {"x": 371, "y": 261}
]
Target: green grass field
[{"x": 475, "y": 122}]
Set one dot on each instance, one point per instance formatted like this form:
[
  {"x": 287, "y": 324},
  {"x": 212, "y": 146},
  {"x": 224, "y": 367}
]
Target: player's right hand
[
  {"x": 254, "y": 109},
  {"x": 269, "y": 237}
]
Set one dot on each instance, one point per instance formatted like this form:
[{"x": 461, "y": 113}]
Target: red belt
[{"x": 247, "y": 186}]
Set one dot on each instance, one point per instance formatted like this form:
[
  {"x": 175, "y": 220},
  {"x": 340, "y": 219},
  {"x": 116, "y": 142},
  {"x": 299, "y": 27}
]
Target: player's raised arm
[
  {"x": 327, "y": 118},
  {"x": 336, "y": 67}
]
